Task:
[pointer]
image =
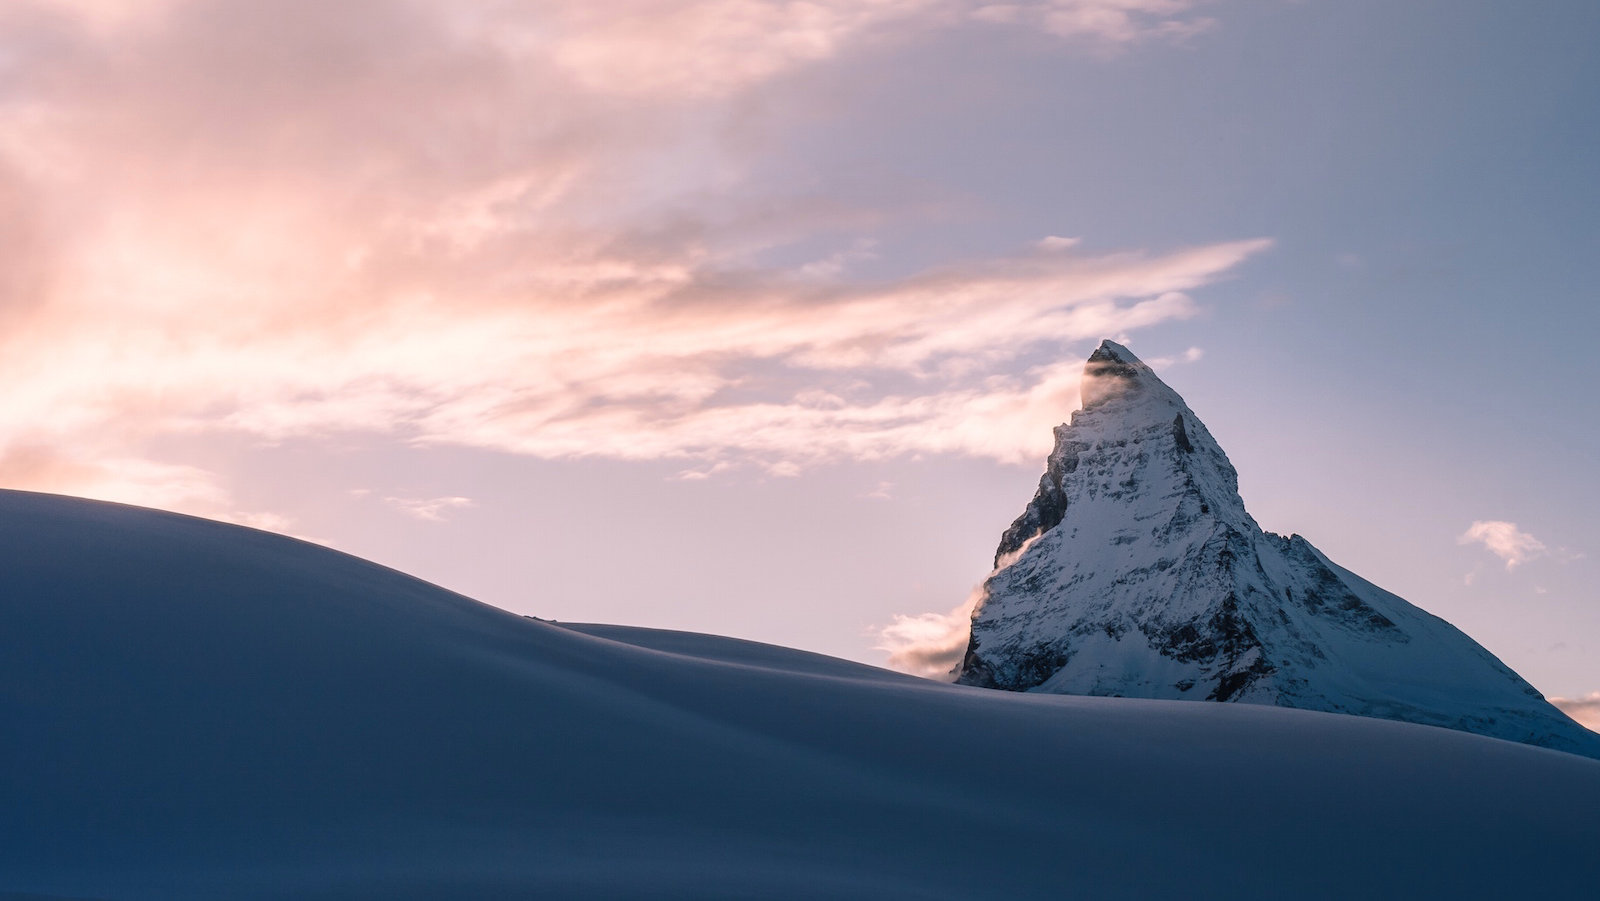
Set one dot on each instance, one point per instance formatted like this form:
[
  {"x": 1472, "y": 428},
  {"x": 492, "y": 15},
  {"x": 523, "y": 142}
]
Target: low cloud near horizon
[
  {"x": 512, "y": 226},
  {"x": 1586, "y": 710},
  {"x": 930, "y": 645}
]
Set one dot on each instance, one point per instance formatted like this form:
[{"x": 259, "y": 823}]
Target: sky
[{"x": 754, "y": 317}]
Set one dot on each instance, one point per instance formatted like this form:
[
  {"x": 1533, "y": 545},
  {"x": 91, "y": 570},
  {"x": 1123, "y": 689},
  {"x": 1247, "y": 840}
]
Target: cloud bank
[{"x": 512, "y": 226}]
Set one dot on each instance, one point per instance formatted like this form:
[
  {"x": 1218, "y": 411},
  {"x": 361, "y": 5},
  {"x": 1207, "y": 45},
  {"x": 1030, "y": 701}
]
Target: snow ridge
[
  {"x": 1136, "y": 571},
  {"x": 198, "y": 711}
]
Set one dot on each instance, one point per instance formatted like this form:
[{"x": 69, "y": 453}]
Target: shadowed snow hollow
[{"x": 1136, "y": 572}]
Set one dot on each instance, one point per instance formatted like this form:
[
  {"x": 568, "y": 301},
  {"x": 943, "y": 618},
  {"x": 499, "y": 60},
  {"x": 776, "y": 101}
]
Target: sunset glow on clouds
[{"x": 476, "y": 224}]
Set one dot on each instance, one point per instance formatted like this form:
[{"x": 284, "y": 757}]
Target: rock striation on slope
[{"x": 1136, "y": 572}]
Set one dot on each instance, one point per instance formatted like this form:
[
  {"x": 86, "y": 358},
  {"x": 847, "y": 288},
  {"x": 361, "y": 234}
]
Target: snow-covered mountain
[
  {"x": 1136, "y": 572},
  {"x": 197, "y": 711}
]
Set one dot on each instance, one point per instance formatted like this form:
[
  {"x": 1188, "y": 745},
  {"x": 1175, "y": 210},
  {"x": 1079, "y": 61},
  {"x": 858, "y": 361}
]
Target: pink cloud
[
  {"x": 476, "y": 224},
  {"x": 428, "y": 509},
  {"x": 1586, "y": 710},
  {"x": 128, "y": 480},
  {"x": 930, "y": 645},
  {"x": 1504, "y": 540},
  {"x": 694, "y": 47}
]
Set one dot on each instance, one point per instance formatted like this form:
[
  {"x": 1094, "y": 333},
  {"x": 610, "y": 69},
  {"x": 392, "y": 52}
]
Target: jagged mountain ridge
[{"x": 1136, "y": 571}]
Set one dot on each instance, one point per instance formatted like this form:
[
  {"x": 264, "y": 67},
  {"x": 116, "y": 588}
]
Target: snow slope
[
  {"x": 1136, "y": 572},
  {"x": 200, "y": 711}
]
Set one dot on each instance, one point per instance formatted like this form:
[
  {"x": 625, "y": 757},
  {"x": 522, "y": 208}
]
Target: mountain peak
[
  {"x": 1113, "y": 372},
  {"x": 1114, "y": 352},
  {"x": 1127, "y": 407},
  {"x": 1136, "y": 571}
]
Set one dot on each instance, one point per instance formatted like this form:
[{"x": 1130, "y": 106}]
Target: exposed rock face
[{"x": 1136, "y": 572}]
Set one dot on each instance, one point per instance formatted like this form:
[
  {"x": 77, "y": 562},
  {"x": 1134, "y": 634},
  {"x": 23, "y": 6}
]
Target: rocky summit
[{"x": 1136, "y": 571}]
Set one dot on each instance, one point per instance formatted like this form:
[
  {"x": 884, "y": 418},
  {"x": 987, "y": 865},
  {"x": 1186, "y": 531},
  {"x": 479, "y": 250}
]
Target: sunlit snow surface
[{"x": 194, "y": 710}]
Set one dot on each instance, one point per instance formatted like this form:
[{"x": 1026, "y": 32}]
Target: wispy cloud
[
  {"x": 1504, "y": 540},
  {"x": 1192, "y": 355},
  {"x": 1107, "y": 22},
  {"x": 431, "y": 509},
  {"x": 883, "y": 491},
  {"x": 110, "y": 476},
  {"x": 708, "y": 46},
  {"x": 514, "y": 226},
  {"x": 681, "y": 47}
]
